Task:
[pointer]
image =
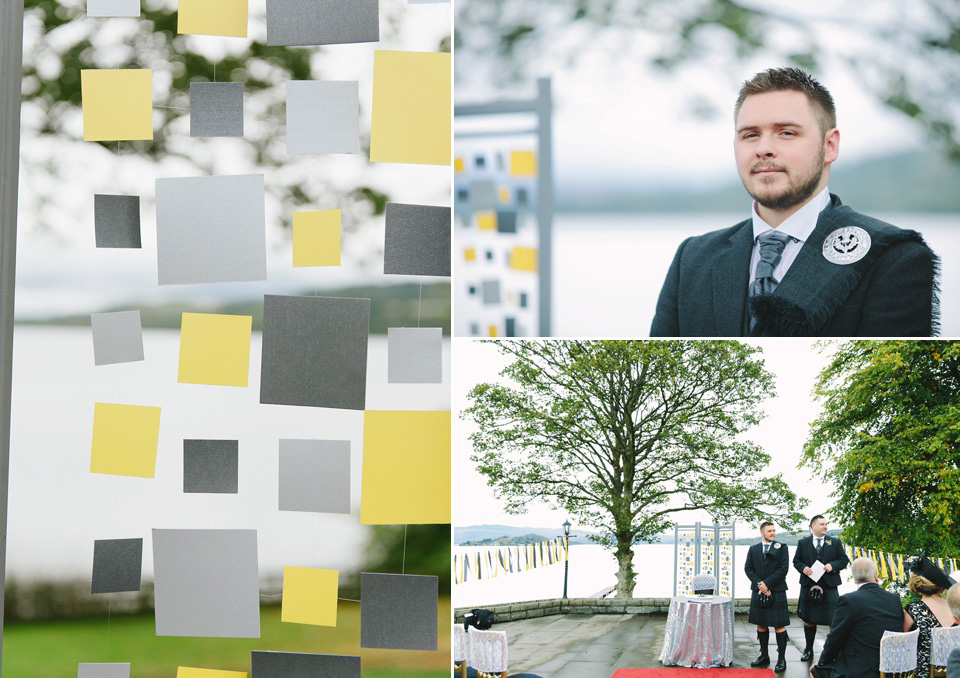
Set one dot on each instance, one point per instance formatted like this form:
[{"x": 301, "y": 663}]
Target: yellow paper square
[
  {"x": 523, "y": 259},
  {"x": 504, "y": 195},
  {"x": 187, "y": 672},
  {"x": 316, "y": 238},
  {"x": 458, "y": 166},
  {"x": 124, "y": 440},
  {"x": 309, "y": 596},
  {"x": 213, "y": 17},
  {"x": 523, "y": 164},
  {"x": 406, "y": 468},
  {"x": 411, "y": 107},
  {"x": 117, "y": 104},
  {"x": 470, "y": 254},
  {"x": 493, "y": 330},
  {"x": 487, "y": 221},
  {"x": 214, "y": 349}
]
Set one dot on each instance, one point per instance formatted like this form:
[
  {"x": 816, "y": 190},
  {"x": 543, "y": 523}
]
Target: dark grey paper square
[
  {"x": 483, "y": 194},
  {"x": 117, "y": 337},
  {"x": 381, "y": 595},
  {"x": 264, "y": 664},
  {"x": 417, "y": 240},
  {"x": 490, "y": 292},
  {"x": 315, "y": 476},
  {"x": 506, "y": 221},
  {"x": 322, "y": 22},
  {"x": 210, "y": 466},
  {"x": 116, "y": 220},
  {"x": 117, "y": 565},
  {"x": 216, "y": 109},
  {"x": 314, "y": 351},
  {"x": 103, "y": 670}
]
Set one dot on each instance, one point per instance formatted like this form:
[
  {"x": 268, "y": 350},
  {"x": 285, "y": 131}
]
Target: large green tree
[
  {"x": 625, "y": 434},
  {"x": 888, "y": 440}
]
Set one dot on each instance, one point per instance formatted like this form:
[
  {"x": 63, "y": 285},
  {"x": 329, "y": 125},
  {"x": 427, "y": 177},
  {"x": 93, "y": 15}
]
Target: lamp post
[{"x": 566, "y": 555}]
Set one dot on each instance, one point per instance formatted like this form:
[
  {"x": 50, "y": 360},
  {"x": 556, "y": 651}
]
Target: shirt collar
[{"x": 798, "y": 225}]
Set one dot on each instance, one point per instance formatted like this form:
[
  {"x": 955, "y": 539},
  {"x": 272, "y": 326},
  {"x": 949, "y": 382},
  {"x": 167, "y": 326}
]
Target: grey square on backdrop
[
  {"x": 117, "y": 337},
  {"x": 126, "y": 8},
  {"x": 265, "y": 664},
  {"x": 103, "y": 670},
  {"x": 210, "y": 466},
  {"x": 322, "y": 22},
  {"x": 483, "y": 194},
  {"x": 216, "y": 109},
  {"x": 116, "y": 220},
  {"x": 314, "y": 351},
  {"x": 506, "y": 221},
  {"x": 117, "y": 565},
  {"x": 211, "y": 229},
  {"x": 381, "y": 595},
  {"x": 206, "y": 583},
  {"x": 417, "y": 240},
  {"x": 315, "y": 475},
  {"x": 490, "y": 292},
  {"x": 414, "y": 355},
  {"x": 323, "y": 117}
]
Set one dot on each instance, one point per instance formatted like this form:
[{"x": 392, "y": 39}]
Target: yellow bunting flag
[
  {"x": 309, "y": 596},
  {"x": 117, "y": 104},
  {"x": 316, "y": 238},
  {"x": 214, "y": 349},
  {"x": 486, "y": 221},
  {"x": 458, "y": 166},
  {"x": 125, "y": 440},
  {"x": 470, "y": 254}
]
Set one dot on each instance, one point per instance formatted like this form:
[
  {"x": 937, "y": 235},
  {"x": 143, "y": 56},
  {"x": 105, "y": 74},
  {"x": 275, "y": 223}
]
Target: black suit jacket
[
  {"x": 771, "y": 570},
  {"x": 891, "y": 292},
  {"x": 831, "y": 552},
  {"x": 852, "y": 647}
]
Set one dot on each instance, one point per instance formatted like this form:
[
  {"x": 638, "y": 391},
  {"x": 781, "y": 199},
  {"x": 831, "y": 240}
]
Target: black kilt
[
  {"x": 818, "y": 614},
  {"x": 776, "y": 615}
]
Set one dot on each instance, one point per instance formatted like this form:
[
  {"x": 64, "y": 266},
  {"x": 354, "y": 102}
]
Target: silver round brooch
[{"x": 846, "y": 245}]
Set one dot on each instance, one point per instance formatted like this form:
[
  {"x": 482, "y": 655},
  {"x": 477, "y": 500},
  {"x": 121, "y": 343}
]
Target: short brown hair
[
  {"x": 764, "y": 524},
  {"x": 792, "y": 79},
  {"x": 923, "y": 586}
]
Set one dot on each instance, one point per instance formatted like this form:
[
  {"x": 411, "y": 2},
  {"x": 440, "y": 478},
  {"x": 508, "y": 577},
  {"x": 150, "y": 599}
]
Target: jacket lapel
[{"x": 730, "y": 279}]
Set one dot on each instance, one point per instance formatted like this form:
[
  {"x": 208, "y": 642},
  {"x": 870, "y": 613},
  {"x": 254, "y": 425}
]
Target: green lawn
[{"x": 53, "y": 649}]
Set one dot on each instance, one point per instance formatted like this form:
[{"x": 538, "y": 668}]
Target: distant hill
[{"x": 508, "y": 541}]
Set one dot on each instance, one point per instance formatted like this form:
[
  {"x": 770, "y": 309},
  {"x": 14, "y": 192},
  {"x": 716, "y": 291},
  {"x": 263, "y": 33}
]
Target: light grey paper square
[
  {"x": 211, "y": 229},
  {"x": 210, "y": 466},
  {"x": 483, "y": 194},
  {"x": 315, "y": 475},
  {"x": 323, "y": 117},
  {"x": 506, "y": 221},
  {"x": 216, "y": 109},
  {"x": 314, "y": 351},
  {"x": 113, "y": 8},
  {"x": 116, "y": 220},
  {"x": 117, "y": 565},
  {"x": 426, "y": 2},
  {"x": 206, "y": 583},
  {"x": 417, "y": 240},
  {"x": 103, "y": 671},
  {"x": 414, "y": 355},
  {"x": 322, "y": 22},
  {"x": 117, "y": 337},
  {"x": 381, "y": 595},
  {"x": 265, "y": 664},
  {"x": 490, "y": 292}
]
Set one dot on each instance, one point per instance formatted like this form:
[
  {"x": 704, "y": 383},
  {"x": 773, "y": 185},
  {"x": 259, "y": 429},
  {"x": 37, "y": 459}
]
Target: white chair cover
[
  {"x": 459, "y": 643},
  {"x": 703, "y": 581},
  {"x": 898, "y": 651},
  {"x": 488, "y": 650},
  {"x": 942, "y": 643}
]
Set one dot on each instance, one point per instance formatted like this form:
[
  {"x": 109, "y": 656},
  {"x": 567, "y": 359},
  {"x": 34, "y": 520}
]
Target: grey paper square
[
  {"x": 381, "y": 595},
  {"x": 426, "y": 2},
  {"x": 490, "y": 292},
  {"x": 314, "y": 351},
  {"x": 216, "y": 109},
  {"x": 113, "y": 8},
  {"x": 117, "y": 337},
  {"x": 117, "y": 565},
  {"x": 414, "y": 355},
  {"x": 323, "y": 117},
  {"x": 302, "y": 665},
  {"x": 417, "y": 240},
  {"x": 210, "y": 466},
  {"x": 206, "y": 583},
  {"x": 315, "y": 476},
  {"x": 116, "y": 220},
  {"x": 483, "y": 194},
  {"x": 322, "y": 22},
  {"x": 506, "y": 221},
  {"x": 103, "y": 671},
  {"x": 211, "y": 229}
]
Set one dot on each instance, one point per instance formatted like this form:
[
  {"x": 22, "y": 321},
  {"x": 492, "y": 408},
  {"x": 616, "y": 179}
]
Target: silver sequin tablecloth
[{"x": 699, "y": 632}]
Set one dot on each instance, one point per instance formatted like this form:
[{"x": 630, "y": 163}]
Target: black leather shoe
[
  {"x": 762, "y": 660},
  {"x": 781, "y": 665},
  {"x": 807, "y": 655}
]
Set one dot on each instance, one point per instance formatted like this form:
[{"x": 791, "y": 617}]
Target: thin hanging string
[
  {"x": 214, "y": 71},
  {"x": 420, "y": 304},
  {"x": 403, "y": 564}
]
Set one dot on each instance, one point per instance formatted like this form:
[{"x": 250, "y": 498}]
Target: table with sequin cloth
[{"x": 699, "y": 632}]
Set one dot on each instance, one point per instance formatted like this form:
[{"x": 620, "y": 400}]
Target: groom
[{"x": 766, "y": 567}]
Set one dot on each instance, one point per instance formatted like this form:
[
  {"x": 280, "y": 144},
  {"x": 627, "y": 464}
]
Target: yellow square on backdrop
[
  {"x": 406, "y": 468},
  {"x": 125, "y": 440},
  {"x": 309, "y": 596},
  {"x": 458, "y": 165},
  {"x": 186, "y": 672},
  {"x": 470, "y": 254},
  {"x": 504, "y": 195},
  {"x": 117, "y": 104},
  {"x": 213, "y": 17},
  {"x": 493, "y": 330},
  {"x": 316, "y": 238},
  {"x": 486, "y": 221},
  {"x": 411, "y": 107},
  {"x": 214, "y": 349},
  {"x": 523, "y": 259},
  {"x": 523, "y": 164}
]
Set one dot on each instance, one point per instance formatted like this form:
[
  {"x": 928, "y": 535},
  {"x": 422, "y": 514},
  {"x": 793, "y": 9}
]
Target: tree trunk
[{"x": 626, "y": 577}]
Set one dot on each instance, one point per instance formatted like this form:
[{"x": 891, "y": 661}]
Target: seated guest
[
  {"x": 852, "y": 647},
  {"x": 953, "y": 600},
  {"x": 930, "y": 612}
]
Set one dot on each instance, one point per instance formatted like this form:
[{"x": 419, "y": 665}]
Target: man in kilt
[
  {"x": 766, "y": 567},
  {"x": 818, "y": 599}
]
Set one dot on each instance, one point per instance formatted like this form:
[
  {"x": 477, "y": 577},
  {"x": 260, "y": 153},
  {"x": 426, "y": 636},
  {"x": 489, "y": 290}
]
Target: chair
[
  {"x": 898, "y": 654},
  {"x": 942, "y": 643},
  {"x": 488, "y": 653},
  {"x": 704, "y": 584},
  {"x": 459, "y": 651}
]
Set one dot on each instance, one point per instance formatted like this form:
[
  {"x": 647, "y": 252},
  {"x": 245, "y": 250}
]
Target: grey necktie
[
  {"x": 819, "y": 544},
  {"x": 766, "y": 547},
  {"x": 771, "y": 250}
]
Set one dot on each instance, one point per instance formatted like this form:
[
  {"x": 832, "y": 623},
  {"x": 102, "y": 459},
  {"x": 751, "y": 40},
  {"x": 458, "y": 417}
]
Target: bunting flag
[
  {"x": 505, "y": 560},
  {"x": 892, "y": 566}
]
